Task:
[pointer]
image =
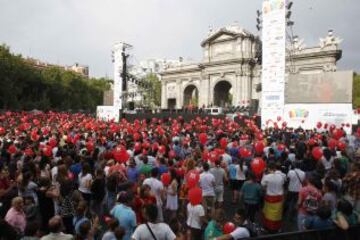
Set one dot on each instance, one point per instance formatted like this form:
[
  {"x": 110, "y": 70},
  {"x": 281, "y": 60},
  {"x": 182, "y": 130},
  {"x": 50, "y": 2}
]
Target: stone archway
[
  {"x": 191, "y": 95},
  {"x": 223, "y": 94}
]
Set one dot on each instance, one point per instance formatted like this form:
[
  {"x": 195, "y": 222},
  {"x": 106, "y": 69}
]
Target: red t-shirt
[{"x": 305, "y": 192}]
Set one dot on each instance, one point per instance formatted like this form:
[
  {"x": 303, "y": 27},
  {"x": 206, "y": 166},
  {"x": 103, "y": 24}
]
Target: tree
[
  {"x": 151, "y": 89},
  {"x": 356, "y": 91}
]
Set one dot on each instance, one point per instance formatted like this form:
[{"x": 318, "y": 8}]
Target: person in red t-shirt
[
  {"x": 309, "y": 200},
  {"x": 143, "y": 199}
]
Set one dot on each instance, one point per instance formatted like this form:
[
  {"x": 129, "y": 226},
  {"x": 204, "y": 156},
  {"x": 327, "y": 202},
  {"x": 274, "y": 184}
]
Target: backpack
[{"x": 311, "y": 203}]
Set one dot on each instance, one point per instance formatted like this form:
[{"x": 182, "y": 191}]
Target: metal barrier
[{"x": 353, "y": 233}]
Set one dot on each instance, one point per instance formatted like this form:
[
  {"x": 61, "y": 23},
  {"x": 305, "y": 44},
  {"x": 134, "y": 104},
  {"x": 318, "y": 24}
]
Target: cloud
[{"x": 68, "y": 31}]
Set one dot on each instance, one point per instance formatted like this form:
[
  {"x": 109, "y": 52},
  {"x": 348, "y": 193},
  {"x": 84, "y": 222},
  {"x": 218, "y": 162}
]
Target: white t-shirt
[
  {"x": 327, "y": 164},
  {"x": 161, "y": 231},
  {"x": 194, "y": 213},
  {"x": 274, "y": 183},
  {"x": 294, "y": 180},
  {"x": 83, "y": 180},
  {"x": 240, "y": 232},
  {"x": 240, "y": 175},
  {"x": 156, "y": 188},
  {"x": 207, "y": 183}
]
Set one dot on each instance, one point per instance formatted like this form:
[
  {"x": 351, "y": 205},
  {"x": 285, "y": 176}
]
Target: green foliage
[
  {"x": 152, "y": 91},
  {"x": 356, "y": 91},
  {"x": 24, "y": 87}
]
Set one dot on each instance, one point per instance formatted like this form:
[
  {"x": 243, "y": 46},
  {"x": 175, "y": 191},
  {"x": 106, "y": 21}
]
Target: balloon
[
  {"x": 29, "y": 152},
  {"x": 120, "y": 154},
  {"x": 137, "y": 136},
  {"x": 258, "y": 166},
  {"x": 284, "y": 124},
  {"x": 332, "y": 127},
  {"x": 244, "y": 153},
  {"x": 318, "y": 125},
  {"x": 229, "y": 227},
  {"x": 90, "y": 146},
  {"x": 278, "y": 118},
  {"x": 192, "y": 178},
  {"x": 337, "y": 133},
  {"x": 312, "y": 142},
  {"x": 162, "y": 149},
  {"x": 47, "y": 151},
  {"x": 358, "y": 131},
  {"x": 166, "y": 178},
  {"x": 203, "y": 138},
  {"x": 195, "y": 196},
  {"x": 36, "y": 122},
  {"x": 281, "y": 147},
  {"x": 137, "y": 147},
  {"x": 332, "y": 143},
  {"x": 214, "y": 156},
  {"x": 223, "y": 143},
  {"x": 341, "y": 146},
  {"x": 2, "y": 131},
  {"x": 259, "y": 147},
  {"x": 172, "y": 154},
  {"x": 317, "y": 153},
  {"x": 52, "y": 142},
  {"x": 12, "y": 149},
  {"x": 326, "y": 126}
]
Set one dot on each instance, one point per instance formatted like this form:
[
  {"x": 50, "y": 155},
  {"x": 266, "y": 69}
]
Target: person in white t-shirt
[
  {"x": 85, "y": 180},
  {"x": 240, "y": 231},
  {"x": 207, "y": 184},
  {"x": 296, "y": 179},
  {"x": 152, "y": 229},
  {"x": 274, "y": 198},
  {"x": 157, "y": 189},
  {"x": 195, "y": 219}
]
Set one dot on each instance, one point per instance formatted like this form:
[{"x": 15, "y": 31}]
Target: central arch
[
  {"x": 191, "y": 95},
  {"x": 223, "y": 94}
]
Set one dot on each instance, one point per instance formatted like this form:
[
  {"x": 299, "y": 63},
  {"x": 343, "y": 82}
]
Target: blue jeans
[{"x": 301, "y": 217}]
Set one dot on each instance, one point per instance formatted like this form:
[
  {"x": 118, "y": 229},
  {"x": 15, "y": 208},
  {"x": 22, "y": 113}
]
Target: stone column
[
  {"x": 163, "y": 95},
  {"x": 179, "y": 100},
  {"x": 204, "y": 90}
]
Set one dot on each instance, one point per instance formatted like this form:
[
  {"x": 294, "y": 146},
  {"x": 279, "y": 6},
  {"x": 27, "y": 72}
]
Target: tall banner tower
[{"x": 273, "y": 60}]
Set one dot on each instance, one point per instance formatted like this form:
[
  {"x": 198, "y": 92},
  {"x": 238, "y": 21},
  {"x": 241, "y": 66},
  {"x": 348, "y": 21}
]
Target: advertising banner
[
  {"x": 108, "y": 113},
  {"x": 308, "y": 115},
  {"x": 273, "y": 60}
]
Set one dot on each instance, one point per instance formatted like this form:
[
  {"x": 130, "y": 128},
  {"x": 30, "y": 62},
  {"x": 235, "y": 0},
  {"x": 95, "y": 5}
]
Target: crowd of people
[{"x": 70, "y": 176}]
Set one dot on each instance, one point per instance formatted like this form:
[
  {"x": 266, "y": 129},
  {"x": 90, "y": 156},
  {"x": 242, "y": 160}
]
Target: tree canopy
[
  {"x": 356, "y": 91},
  {"x": 152, "y": 91},
  {"x": 24, "y": 87}
]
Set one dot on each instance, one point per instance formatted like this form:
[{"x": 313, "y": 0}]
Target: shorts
[
  {"x": 236, "y": 185},
  {"x": 219, "y": 194}
]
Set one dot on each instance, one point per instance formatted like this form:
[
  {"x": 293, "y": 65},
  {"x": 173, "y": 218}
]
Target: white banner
[
  {"x": 117, "y": 74},
  {"x": 308, "y": 115},
  {"x": 273, "y": 60},
  {"x": 107, "y": 113}
]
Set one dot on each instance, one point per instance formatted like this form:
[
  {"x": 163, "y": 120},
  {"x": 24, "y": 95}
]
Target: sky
[{"x": 68, "y": 31}]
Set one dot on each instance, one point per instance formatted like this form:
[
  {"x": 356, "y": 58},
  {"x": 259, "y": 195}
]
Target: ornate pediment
[{"x": 225, "y": 34}]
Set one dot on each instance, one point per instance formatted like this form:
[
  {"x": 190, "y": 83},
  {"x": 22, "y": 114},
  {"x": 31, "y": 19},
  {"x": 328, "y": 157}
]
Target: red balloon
[
  {"x": 172, "y": 154},
  {"x": 137, "y": 147},
  {"x": 166, "y": 178},
  {"x": 36, "y": 122},
  {"x": 162, "y": 149},
  {"x": 12, "y": 149},
  {"x": 2, "y": 131},
  {"x": 258, "y": 166},
  {"x": 244, "y": 153},
  {"x": 259, "y": 147},
  {"x": 326, "y": 126},
  {"x": 137, "y": 136},
  {"x": 332, "y": 127},
  {"x": 337, "y": 133},
  {"x": 29, "y": 152},
  {"x": 341, "y": 146},
  {"x": 281, "y": 147},
  {"x": 229, "y": 227},
  {"x": 332, "y": 143},
  {"x": 213, "y": 156},
  {"x": 47, "y": 151},
  {"x": 120, "y": 154},
  {"x": 278, "y": 118},
  {"x": 195, "y": 196},
  {"x": 223, "y": 142},
  {"x": 203, "y": 138},
  {"x": 192, "y": 178},
  {"x": 90, "y": 146},
  {"x": 319, "y": 125},
  {"x": 358, "y": 131},
  {"x": 312, "y": 142},
  {"x": 52, "y": 142},
  {"x": 317, "y": 153}
]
